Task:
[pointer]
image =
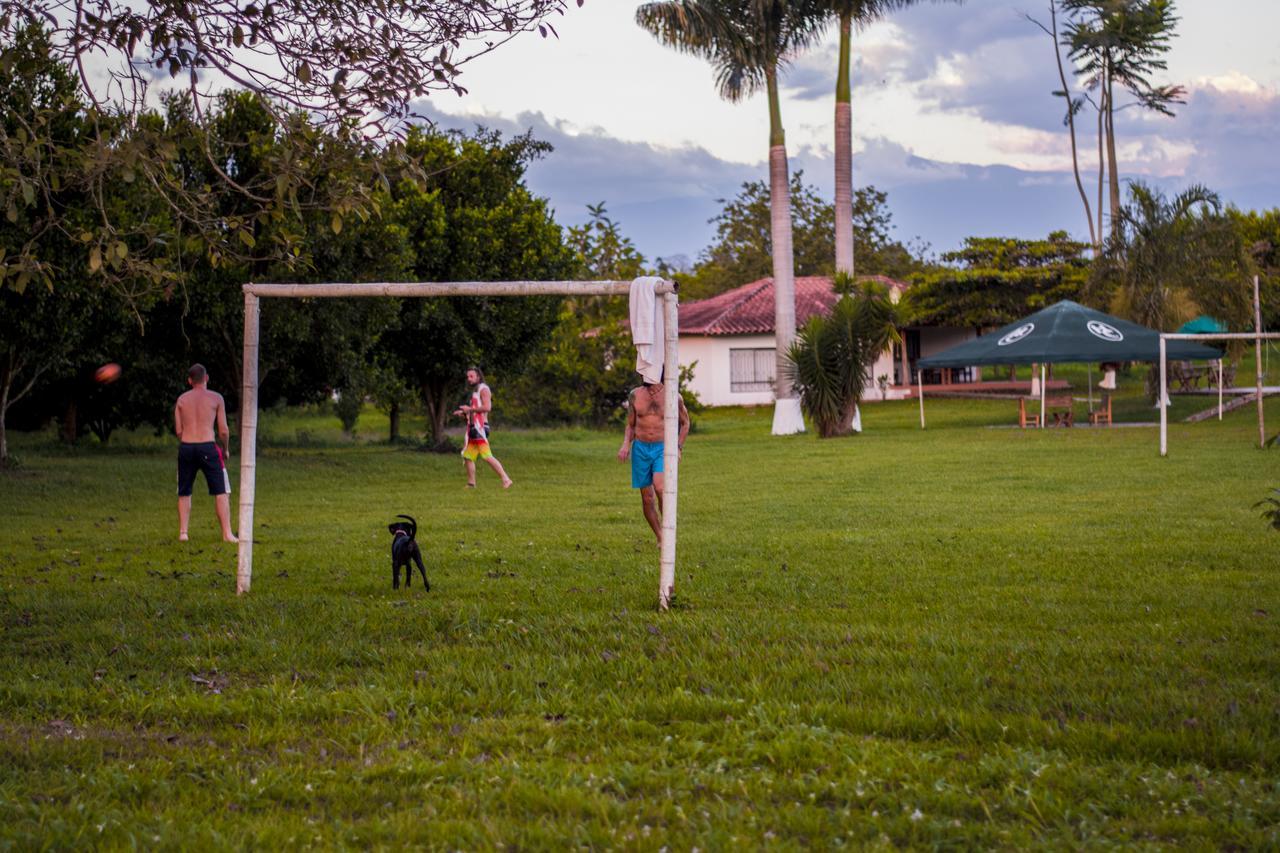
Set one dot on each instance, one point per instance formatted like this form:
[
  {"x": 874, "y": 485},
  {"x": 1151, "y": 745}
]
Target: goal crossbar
[{"x": 255, "y": 291}]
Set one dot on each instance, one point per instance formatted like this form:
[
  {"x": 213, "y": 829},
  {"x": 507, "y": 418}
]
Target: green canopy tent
[
  {"x": 1064, "y": 333},
  {"x": 1202, "y": 325}
]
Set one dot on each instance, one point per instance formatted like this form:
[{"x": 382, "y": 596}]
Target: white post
[
  {"x": 1090, "y": 381},
  {"x": 1043, "y": 380},
  {"x": 1164, "y": 398},
  {"x": 1257, "y": 358},
  {"x": 921, "y": 399},
  {"x": 248, "y": 443},
  {"x": 1219, "y": 389},
  {"x": 671, "y": 450}
]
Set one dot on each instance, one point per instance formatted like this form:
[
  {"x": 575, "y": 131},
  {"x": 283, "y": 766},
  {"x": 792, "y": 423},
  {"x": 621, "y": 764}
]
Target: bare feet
[
  {"x": 506, "y": 484},
  {"x": 182, "y": 536},
  {"x": 230, "y": 537},
  {"x": 471, "y": 485}
]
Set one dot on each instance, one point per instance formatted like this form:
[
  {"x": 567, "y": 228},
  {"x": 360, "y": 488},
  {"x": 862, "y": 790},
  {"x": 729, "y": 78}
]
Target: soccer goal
[{"x": 254, "y": 293}]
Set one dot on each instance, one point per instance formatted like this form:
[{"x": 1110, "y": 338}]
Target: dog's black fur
[{"x": 404, "y": 547}]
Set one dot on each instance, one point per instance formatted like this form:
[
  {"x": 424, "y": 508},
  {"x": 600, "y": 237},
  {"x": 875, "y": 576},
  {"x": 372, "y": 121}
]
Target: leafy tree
[
  {"x": 1260, "y": 231},
  {"x": 1173, "y": 259},
  {"x": 742, "y": 249},
  {"x": 750, "y": 42},
  {"x": 39, "y": 333},
  {"x": 472, "y": 220},
  {"x": 994, "y": 280},
  {"x": 831, "y": 358},
  {"x": 603, "y": 252},
  {"x": 1124, "y": 42},
  {"x": 356, "y": 71}
]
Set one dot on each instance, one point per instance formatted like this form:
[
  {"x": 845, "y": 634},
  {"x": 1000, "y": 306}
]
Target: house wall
[{"x": 712, "y": 377}]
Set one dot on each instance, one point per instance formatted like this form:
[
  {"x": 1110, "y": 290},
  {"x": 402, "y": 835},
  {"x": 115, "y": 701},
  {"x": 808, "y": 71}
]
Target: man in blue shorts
[
  {"x": 642, "y": 442},
  {"x": 198, "y": 413}
]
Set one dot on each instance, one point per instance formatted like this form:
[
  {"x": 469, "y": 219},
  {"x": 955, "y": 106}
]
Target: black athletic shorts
[{"x": 207, "y": 457}]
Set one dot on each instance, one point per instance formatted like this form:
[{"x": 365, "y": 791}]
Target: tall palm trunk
[
  {"x": 1112, "y": 167},
  {"x": 844, "y": 151},
  {"x": 786, "y": 413},
  {"x": 844, "y": 179}
]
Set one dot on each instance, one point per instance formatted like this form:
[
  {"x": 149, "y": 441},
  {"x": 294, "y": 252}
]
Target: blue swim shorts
[{"x": 646, "y": 460}]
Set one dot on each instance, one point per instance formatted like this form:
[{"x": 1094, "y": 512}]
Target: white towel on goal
[{"x": 648, "y": 329}]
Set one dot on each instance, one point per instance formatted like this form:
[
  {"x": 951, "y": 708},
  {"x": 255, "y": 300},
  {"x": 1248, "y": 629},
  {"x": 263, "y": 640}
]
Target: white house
[{"x": 731, "y": 338}]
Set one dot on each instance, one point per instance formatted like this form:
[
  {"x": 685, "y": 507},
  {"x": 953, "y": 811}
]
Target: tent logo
[
  {"x": 1017, "y": 335},
  {"x": 1106, "y": 331}
]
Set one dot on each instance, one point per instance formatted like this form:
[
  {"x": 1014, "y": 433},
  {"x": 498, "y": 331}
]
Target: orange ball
[{"x": 107, "y": 374}]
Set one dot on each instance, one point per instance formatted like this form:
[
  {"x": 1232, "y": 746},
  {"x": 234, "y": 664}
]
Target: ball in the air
[{"x": 107, "y": 374}]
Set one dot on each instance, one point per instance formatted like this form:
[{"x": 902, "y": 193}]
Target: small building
[{"x": 731, "y": 338}]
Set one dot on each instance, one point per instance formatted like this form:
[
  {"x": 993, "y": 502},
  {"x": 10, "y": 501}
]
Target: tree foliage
[
  {"x": 996, "y": 280},
  {"x": 324, "y": 71},
  {"x": 1118, "y": 42},
  {"x": 472, "y": 220},
  {"x": 742, "y": 250},
  {"x": 1260, "y": 231},
  {"x": 1174, "y": 258}
]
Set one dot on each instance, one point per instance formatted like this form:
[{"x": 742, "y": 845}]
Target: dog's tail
[{"x": 409, "y": 518}]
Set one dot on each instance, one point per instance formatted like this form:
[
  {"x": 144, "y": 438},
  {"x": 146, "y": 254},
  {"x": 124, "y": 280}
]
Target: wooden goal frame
[{"x": 254, "y": 293}]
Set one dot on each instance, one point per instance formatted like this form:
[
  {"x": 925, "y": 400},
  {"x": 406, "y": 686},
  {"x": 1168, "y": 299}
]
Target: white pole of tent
[
  {"x": 1090, "y": 381},
  {"x": 670, "y": 451},
  {"x": 248, "y": 444},
  {"x": 1164, "y": 398},
  {"x": 1257, "y": 362},
  {"x": 921, "y": 380},
  {"x": 1043, "y": 381},
  {"x": 1219, "y": 389}
]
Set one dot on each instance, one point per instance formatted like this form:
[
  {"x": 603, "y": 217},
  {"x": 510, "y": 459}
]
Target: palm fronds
[{"x": 829, "y": 361}]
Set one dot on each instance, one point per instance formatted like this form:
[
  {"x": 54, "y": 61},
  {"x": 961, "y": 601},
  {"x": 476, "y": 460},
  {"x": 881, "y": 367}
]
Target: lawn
[{"x": 958, "y": 637}]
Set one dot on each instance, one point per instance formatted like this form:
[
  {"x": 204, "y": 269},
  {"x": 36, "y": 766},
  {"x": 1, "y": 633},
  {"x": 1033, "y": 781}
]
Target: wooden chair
[
  {"x": 1025, "y": 417},
  {"x": 1101, "y": 415},
  {"x": 1062, "y": 409}
]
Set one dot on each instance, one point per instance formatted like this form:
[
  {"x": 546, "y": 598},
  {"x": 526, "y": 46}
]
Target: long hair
[{"x": 478, "y": 372}]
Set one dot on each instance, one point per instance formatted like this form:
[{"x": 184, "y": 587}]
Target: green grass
[{"x": 959, "y": 637}]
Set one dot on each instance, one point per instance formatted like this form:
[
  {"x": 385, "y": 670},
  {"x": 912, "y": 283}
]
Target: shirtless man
[
  {"x": 194, "y": 418},
  {"x": 642, "y": 441}
]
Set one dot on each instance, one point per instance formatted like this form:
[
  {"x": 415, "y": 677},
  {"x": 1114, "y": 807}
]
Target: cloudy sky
[{"x": 952, "y": 116}]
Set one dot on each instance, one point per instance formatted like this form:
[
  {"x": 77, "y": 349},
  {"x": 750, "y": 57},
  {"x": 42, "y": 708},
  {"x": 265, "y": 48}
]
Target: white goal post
[
  {"x": 253, "y": 293},
  {"x": 1256, "y": 337}
]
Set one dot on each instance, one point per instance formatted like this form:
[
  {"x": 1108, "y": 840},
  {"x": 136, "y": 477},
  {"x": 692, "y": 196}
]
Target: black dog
[{"x": 404, "y": 547}]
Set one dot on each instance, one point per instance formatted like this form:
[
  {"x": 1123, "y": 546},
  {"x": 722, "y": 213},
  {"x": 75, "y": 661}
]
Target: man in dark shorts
[{"x": 198, "y": 412}]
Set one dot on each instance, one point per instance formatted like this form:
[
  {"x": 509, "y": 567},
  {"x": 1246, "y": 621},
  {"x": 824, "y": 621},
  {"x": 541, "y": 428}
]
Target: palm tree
[
  {"x": 749, "y": 42},
  {"x": 849, "y": 12},
  {"x": 829, "y": 360},
  {"x": 1170, "y": 259}
]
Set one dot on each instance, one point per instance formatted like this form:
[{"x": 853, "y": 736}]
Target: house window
[{"x": 751, "y": 370}]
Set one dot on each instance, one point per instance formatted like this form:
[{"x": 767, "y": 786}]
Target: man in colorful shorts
[
  {"x": 198, "y": 412},
  {"x": 642, "y": 442},
  {"x": 477, "y": 443}
]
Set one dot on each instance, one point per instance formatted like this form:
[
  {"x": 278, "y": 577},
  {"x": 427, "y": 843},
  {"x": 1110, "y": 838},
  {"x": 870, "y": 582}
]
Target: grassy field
[{"x": 951, "y": 638}]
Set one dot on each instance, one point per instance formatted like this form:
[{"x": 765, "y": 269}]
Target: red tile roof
[{"x": 748, "y": 310}]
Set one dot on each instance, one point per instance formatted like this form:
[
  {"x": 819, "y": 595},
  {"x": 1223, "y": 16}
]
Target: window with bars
[{"x": 751, "y": 369}]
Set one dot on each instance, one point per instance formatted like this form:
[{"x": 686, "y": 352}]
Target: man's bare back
[{"x": 198, "y": 413}]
